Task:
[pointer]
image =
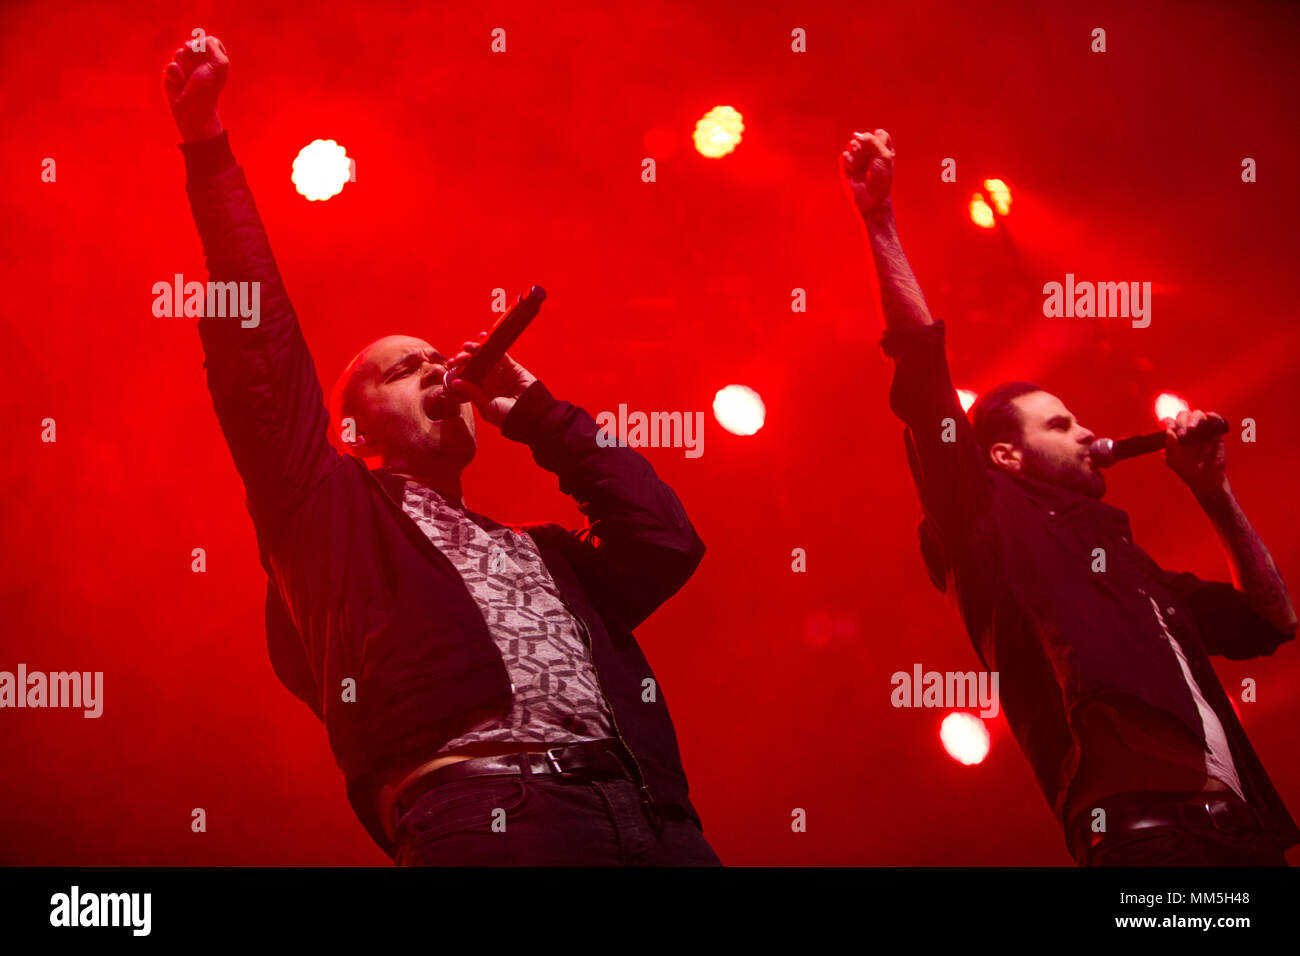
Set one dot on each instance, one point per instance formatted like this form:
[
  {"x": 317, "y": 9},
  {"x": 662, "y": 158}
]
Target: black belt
[
  {"x": 1224, "y": 813},
  {"x": 591, "y": 760}
]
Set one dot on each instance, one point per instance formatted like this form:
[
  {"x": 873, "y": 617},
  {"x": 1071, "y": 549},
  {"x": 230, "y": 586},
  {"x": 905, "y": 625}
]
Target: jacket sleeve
[
  {"x": 260, "y": 374},
  {"x": 638, "y": 547},
  {"x": 1227, "y": 624},
  {"x": 950, "y": 475}
]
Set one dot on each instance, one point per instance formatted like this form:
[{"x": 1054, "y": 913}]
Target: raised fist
[
  {"x": 868, "y": 165},
  {"x": 192, "y": 81}
]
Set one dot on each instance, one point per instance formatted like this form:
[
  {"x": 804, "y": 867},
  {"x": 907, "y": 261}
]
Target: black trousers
[{"x": 542, "y": 820}]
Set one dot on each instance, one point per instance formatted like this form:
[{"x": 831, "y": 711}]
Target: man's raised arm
[
  {"x": 261, "y": 376},
  {"x": 946, "y": 463},
  {"x": 868, "y": 165}
]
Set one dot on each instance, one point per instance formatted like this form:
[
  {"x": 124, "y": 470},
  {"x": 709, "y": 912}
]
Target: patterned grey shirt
[{"x": 556, "y": 697}]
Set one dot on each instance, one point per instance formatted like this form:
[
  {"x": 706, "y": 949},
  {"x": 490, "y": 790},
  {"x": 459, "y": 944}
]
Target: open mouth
[{"x": 440, "y": 406}]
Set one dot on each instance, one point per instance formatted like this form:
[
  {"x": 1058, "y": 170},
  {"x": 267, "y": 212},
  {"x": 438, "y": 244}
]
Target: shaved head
[{"x": 392, "y": 397}]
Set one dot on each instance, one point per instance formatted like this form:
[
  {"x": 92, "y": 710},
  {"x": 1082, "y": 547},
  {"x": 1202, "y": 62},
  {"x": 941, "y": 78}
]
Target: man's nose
[
  {"x": 432, "y": 374},
  {"x": 1087, "y": 438}
]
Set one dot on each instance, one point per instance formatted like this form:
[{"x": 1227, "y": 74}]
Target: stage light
[
  {"x": 718, "y": 132},
  {"x": 1168, "y": 405},
  {"x": 999, "y": 195},
  {"x": 967, "y": 398},
  {"x": 965, "y": 738},
  {"x": 321, "y": 169},
  {"x": 981, "y": 213},
  {"x": 739, "y": 410}
]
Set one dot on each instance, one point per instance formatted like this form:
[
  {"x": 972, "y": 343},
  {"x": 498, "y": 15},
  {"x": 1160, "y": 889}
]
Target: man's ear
[
  {"x": 354, "y": 439},
  {"x": 1007, "y": 456}
]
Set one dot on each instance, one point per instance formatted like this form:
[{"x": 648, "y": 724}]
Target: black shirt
[{"x": 1017, "y": 555}]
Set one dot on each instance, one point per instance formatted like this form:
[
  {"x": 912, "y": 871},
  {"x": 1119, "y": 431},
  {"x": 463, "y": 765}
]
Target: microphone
[
  {"x": 1105, "y": 452},
  {"x": 501, "y": 336}
]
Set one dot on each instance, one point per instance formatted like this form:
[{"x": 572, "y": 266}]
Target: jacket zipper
[{"x": 646, "y": 797}]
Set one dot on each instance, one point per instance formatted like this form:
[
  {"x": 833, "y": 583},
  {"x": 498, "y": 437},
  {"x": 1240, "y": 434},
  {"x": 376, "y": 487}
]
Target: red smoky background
[{"x": 477, "y": 170}]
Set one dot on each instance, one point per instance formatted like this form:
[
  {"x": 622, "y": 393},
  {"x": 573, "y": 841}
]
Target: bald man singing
[{"x": 482, "y": 691}]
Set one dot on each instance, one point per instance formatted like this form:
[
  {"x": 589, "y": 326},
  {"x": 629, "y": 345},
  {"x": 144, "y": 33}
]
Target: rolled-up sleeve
[
  {"x": 1227, "y": 624},
  {"x": 945, "y": 460}
]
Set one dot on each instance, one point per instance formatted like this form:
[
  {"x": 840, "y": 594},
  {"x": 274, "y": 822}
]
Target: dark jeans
[
  {"x": 1185, "y": 846},
  {"x": 542, "y": 820}
]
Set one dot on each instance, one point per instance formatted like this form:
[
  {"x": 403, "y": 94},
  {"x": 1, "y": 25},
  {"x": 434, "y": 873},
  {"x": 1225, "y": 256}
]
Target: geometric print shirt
[{"x": 555, "y": 696}]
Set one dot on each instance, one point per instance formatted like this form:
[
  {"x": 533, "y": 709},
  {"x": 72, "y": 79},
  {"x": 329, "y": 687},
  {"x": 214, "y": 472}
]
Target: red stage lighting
[
  {"x": 1168, "y": 405},
  {"x": 981, "y": 213},
  {"x": 965, "y": 738},
  {"x": 718, "y": 132},
  {"x": 999, "y": 195},
  {"x": 321, "y": 169},
  {"x": 739, "y": 410}
]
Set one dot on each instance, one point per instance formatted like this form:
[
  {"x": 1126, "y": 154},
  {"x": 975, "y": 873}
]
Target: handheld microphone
[
  {"x": 1105, "y": 452},
  {"x": 501, "y": 336}
]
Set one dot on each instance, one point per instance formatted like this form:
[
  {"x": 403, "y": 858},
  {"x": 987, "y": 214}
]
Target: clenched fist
[
  {"x": 1202, "y": 465},
  {"x": 868, "y": 166},
  {"x": 502, "y": 386},
  {"x": 192, "y": 81}
]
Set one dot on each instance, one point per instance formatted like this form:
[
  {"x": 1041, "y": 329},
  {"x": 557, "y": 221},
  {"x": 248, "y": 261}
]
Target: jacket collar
[
  {"x": 393, "y": 485},
  {"x": 1050, "y": 494},
  {"x": 1061, "y": 500}
]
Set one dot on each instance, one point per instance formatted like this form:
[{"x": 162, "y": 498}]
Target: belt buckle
[
  {"x": 555, "y": 764},
  {"x": 1224, "y": 817}
]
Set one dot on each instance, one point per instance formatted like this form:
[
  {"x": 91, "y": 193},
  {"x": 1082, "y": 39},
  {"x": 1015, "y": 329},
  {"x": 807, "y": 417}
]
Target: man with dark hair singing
[
  {"x": 1102, "y": 655},
  {"x": 480, "y": 684}
]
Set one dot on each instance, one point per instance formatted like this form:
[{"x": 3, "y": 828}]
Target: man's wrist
[
  {"x": 207, "y": 128},
  {"x": 207, "y": 157},
  {"x": 1216, "y": 498},
  {"x": 526, "y": 410},
  {"x": 879, "y": 215}
]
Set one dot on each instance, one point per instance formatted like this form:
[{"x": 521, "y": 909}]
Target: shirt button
[
  {"x": 1125, "y": 540},
  {"x": 1051, "y": 514},
  {"x": 1142, "y": 592},
  {"x": 1169, "y": 610}
]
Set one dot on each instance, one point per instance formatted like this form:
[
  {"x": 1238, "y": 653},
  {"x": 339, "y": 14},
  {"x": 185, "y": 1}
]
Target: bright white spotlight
[
  {"x": 717, "y": 133},
  {"x": 739, "y": 410},
  {"x": 321, "y": 169},
  {"x": 965, "y": 738},
  {"x": 981, "y": 213},
  {"x": 967, "y": 398},
  {"x": 999, "y": 194},
  {"x": 1168, "y": 405}
]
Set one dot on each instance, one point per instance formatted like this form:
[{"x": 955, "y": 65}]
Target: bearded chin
[
  {"x": 456, "y": 442},
  {"x": 1091, "y": 483},
  {"x": 1095, "y": 484}
]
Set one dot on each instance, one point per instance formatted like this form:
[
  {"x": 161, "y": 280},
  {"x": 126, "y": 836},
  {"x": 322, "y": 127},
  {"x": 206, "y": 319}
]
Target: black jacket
[
  {"x": 357, "y": 592},
  {"x": 1017, "y": 556}
]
